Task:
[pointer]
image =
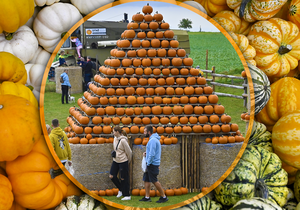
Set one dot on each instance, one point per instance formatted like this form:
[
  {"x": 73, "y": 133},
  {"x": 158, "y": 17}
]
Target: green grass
[
  {"x": 134, "y": 202},
  {"x": 221, "y": 53}
]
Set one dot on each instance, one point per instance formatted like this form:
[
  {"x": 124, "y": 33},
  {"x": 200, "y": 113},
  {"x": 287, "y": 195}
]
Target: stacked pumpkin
[{"x": 149, "y": 80}]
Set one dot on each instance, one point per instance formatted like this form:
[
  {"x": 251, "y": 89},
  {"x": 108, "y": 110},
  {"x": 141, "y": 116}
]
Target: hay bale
[
  {"x": 75, "y": 77},
  {"x": 170, "y": 167},
  {"x": 215, "y": 160},
  {"x": 91, "y": 163}
]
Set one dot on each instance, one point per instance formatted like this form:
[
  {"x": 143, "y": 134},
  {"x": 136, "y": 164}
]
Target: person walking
[
  {"x": 153, "y": 155},
  {"x": 60, "y": 143},
  {"x": 65, "y": 86},
  {"x": 120, "y": 164}
]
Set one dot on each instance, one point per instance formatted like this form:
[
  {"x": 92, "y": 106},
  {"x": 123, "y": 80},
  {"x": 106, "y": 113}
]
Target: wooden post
[
  {"x": 195, "y": 163},
  {"x": 206, "y": 61},
  {"x": 245, "y": 92},
  {"x": 186, "y": 172},
  {"x": 213, "y": 78},
  {"x": 182, "y": 159}
]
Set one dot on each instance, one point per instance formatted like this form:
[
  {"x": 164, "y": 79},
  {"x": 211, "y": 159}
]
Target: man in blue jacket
[
  {"x": 152, "y": 154},
  {"x": 65, "y": 86}
]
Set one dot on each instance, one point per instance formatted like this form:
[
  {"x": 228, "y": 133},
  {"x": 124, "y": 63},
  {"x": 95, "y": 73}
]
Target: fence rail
[{"x": 212, "y": 81}]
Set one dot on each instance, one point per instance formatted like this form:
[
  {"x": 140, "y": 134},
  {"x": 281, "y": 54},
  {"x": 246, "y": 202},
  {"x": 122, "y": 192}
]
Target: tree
[{"x": 185, "y": 23}]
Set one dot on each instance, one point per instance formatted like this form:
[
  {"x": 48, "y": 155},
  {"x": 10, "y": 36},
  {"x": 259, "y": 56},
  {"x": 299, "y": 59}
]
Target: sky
[{"x": 172, "y": 14}]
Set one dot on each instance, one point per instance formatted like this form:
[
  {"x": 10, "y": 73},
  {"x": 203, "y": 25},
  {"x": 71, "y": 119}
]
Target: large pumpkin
[
  {"x": 253, "y": 10},
  {"x": 277, "y": 45},
  {"x": 12, "y": 69},
  {"x": 261, "y": 86},
  {"x": 213, "y": 7},
  {"x": 285, "y": 97},
  {"x": 87, "y": 6},
  {"x": 232, "y": 23},
  {"x": 6, "y": 195},
  {"x": 286, "y": 138},
  {"x": 257, "y": 174},
  {"x": 34, "y": 179},
  {"x": 21, "y": 11},
  {"x": 20, "y": 127}
]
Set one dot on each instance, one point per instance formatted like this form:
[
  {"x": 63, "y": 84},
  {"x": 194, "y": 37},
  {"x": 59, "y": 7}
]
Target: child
[{"x": 78, "y": 45}]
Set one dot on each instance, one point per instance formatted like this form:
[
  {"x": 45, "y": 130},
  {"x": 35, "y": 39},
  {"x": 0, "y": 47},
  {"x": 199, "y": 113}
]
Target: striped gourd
[
  {"x": 204, "y": 203},
  {"x": 286, "y": 138},
  {"x": 261, "y": 86},
  {"x": 297, "y": 186},
  {"x": 257, "y": 174},
  {"x": 255, "y": 203},
  {"x": 260, "y": 136}
]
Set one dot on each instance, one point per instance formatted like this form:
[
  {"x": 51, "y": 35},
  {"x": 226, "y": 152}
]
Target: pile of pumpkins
[{"x": 149, "y": 80}]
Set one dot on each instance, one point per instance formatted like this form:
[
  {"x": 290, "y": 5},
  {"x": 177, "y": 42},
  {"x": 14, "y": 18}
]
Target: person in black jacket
[{"x": 88, "y": 74}]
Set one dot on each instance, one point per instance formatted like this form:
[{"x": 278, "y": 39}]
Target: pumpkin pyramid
[{"x": 148, "y": 79}]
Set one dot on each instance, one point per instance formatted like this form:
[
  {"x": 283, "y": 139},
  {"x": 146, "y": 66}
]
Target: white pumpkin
[
  {"x": 196, "y": 5},
  {"x": 53, "y": 21},
  {"x": 23, "y": 43},
  {"x": 243, "y": 43},
  {"x": 35, "y": 73},
  {"x": 87, "y": 6},
  {"x": 30, "y": 21},
  {"x": 41, "y": 56},
  {"x": 41, "y": 3}
]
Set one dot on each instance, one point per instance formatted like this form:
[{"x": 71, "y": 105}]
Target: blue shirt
[
  {"x": 153, "y": 150},
  {"x": 66, "y": 79}
]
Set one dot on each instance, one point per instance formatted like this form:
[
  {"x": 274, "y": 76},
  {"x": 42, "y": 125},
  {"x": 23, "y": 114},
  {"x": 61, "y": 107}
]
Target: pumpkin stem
[
  {"x": 8, "y": 36},
  {"x": 261, "y": 189},
  {"x": 284, "y": 49},
  {"x": 54, "y": 173},
  {"x": 243, "y": 7}
]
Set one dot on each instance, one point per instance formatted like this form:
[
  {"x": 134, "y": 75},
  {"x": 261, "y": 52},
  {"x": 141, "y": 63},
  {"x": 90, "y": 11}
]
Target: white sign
[{"x": 95, "y": 31}]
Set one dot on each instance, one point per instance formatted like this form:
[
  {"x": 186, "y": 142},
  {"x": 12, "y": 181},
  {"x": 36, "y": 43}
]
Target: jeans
[
  {"x": 64, "y": 93},
  {"x": 123, "y": 183}
]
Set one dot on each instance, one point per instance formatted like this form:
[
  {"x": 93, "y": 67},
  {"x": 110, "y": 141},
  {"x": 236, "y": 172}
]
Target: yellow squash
[
  {"x": 6, "y": 195},
  {"x": 20, "y": 127},
  {"x": 12, "y": 68},
  {"x": 15, "y": 13}
]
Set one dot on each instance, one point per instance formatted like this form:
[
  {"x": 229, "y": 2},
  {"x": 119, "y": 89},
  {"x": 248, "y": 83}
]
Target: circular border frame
[{"x": 200, "y": 195}]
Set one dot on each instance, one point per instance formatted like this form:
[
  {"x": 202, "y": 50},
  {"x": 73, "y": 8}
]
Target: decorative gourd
[
  {"x": 261, "y": 86},
  {"x": 285, "y": 138},
  {"x": 21, "y": 13},
  {"x": 17, "y": 89},
  {"x": 275, "y": 55},
  {"x": 243, "y": 43},
  {"x": 6, "y": 196},
  {"x": 260, "y": 136},
  {"x": 25, "y": 121},
  {"x": 252, "y": 10},
  {"x": 49, "y": 33},
  {"x": 256, "y": 203},
  {"x": 23, "y": 43},
  {"x": 204, "y": 203},
  {"x": 89, "y": 6},
  {"x": 213, "y": 7},
  {"x": 285, "y": 95},
  {"x": 41, "y": 56},
  {"x": 232, "y": 23},
  {"x": 257, "y": 174}
]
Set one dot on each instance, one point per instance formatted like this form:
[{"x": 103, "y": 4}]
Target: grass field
[
  {"x": 221, "y": 53},
  {"x": 134, "y": 202}
]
